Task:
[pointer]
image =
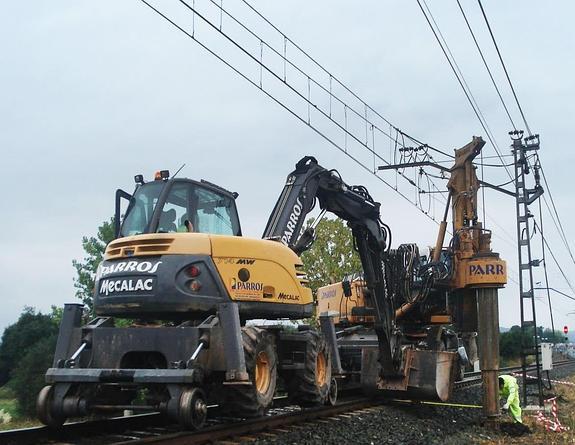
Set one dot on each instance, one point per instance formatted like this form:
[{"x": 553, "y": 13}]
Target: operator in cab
[{"x": 509, "y": 390}]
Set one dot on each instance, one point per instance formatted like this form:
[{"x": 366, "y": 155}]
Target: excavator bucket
[
  {"x": 427, "y": 375},
  {"x": 432, "y": 375}
]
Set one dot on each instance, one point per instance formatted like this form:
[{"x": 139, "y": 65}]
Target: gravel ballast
[{"x": 409, "y": 424}]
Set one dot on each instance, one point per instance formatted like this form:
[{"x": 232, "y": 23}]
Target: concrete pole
[{"x": 488, "y": 336}]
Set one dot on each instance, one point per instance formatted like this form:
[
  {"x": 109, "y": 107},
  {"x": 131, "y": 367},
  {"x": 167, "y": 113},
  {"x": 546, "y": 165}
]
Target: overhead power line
[
  {"x": 334, "y": 78},
  {"x": 552, "y": 211},
  {"x": 556, "y": 261},
  {"x": 560, "y": 225},
  {"x": 545, "y": 268},
  {"x": 334, "y": 110},
  {"x": 504, "y": 68},
  {"x": 555, "y": 290},
  {"x": 468, "y": 94},
  {"x": 460, "y": 79},
  {"x": 486, "y": 65},
  {"x": 554, "y": 214}
]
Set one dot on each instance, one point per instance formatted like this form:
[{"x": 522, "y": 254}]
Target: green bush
[
  {"x": 28, "y": 375},
  {"x": 19, "y": 337}
]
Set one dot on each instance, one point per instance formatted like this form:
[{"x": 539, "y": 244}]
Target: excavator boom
[{"x": 310, "y": 182}]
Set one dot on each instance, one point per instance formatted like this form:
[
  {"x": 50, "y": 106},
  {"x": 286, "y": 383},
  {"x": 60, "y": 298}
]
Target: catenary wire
[
  {"x": 545, "y": 267},
  {"x": 459, "y": 73},
  {"x": 486, "y": 65},
  {"x": 504, "y": 67},
  {"x": 555, "y": 260},
  {"x": 426, "y": 146},
  {"x": 553, "y": 214},
  {"x": 303, "y": 73},
  {"x": 260, "y": 62},
  {"x": 237, "y": 71},
  {"x": 557, "y": 222},
  {"x": 462, "y": 85},
  {"x": 560, "y": 228},
  {"x": 321, "y": 67}
]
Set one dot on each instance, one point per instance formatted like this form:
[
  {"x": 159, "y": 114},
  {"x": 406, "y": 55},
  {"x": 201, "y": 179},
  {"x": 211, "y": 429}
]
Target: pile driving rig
[
  {"x": 181, "y": 271},
  {"x": 434, "y": 300}
]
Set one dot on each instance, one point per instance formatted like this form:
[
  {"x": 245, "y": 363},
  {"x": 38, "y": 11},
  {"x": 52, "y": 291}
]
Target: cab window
[
  {"x": 176, "y": 209},
  {"x": 205, "y": 210},
  {"x": 142, "y": 204},
  {"x": 215, "y": 213}
]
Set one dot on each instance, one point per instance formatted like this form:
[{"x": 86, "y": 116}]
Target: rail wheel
[
  {"x": 193, "y": 409},
  {"x": 45, "y": 410},
  {"x": 253, "y": 399},
  {"x": 332, "y": 394},
  {"x": 311, "y": 385}
]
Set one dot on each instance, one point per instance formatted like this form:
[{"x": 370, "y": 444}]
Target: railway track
[
  {"x": 152, "y": 428},
  {"x": 474, "y": 378}
]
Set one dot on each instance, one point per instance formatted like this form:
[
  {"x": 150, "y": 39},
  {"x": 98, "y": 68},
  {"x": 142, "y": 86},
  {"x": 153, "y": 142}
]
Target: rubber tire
[
  {"x": 44, "y": 409},
  {"x": 246, "y": 400},
  {"x": 303, "y": 388}
]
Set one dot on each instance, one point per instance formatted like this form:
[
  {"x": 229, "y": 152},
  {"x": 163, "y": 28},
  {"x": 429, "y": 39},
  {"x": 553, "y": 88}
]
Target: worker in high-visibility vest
[{"x": 509, "y": 390}]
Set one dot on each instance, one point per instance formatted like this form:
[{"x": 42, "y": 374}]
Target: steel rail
[
  {"x": 252, "y": 426},
  {"x": 70, "y": 430},
  {"x": 474, "y": 378},
  {"x": 112, "y": 426}
]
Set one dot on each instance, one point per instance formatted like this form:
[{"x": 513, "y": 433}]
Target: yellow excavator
[{"x": 209, "y": 308}]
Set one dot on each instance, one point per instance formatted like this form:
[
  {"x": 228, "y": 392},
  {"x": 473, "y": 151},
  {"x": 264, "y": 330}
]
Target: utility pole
[{"x": 524, "y": 197}]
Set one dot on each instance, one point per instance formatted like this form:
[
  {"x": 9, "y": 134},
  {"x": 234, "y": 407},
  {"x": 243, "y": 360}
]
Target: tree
[
  {"x": 28, "y": 375},
  {"x": 21, "y": 336},
  {"x": 510, "y": 341},
  {"x": 332, "y": 255},
  {"x": 553, "y": 337},
  {"x": 86, "y": 269}
]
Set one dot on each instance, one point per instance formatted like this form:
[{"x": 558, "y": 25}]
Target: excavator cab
[
  {"x": 179, "y": 254},
  {"x": 177, "y": 205}
]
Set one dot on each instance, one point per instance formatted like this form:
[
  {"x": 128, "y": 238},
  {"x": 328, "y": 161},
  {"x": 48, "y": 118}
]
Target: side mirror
[{"x": 120, "y": 194}]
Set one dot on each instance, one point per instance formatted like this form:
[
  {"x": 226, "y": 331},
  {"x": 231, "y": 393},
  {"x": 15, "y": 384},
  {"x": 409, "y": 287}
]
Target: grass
[
  {"x": 19, "y": 423},
  {"x": 9, "y": 405}
]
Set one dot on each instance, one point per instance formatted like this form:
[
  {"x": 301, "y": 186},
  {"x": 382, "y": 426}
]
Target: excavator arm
[
  {"x": 297, "y": 199},
  {"x": 310, "y": 183}
]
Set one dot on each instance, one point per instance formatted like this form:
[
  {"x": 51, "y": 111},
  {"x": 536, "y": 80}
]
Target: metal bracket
[{"x": 229, "y": 316}]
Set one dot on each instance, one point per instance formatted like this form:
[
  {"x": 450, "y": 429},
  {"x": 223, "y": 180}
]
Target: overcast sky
[{"x": 93, "y": 92}]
